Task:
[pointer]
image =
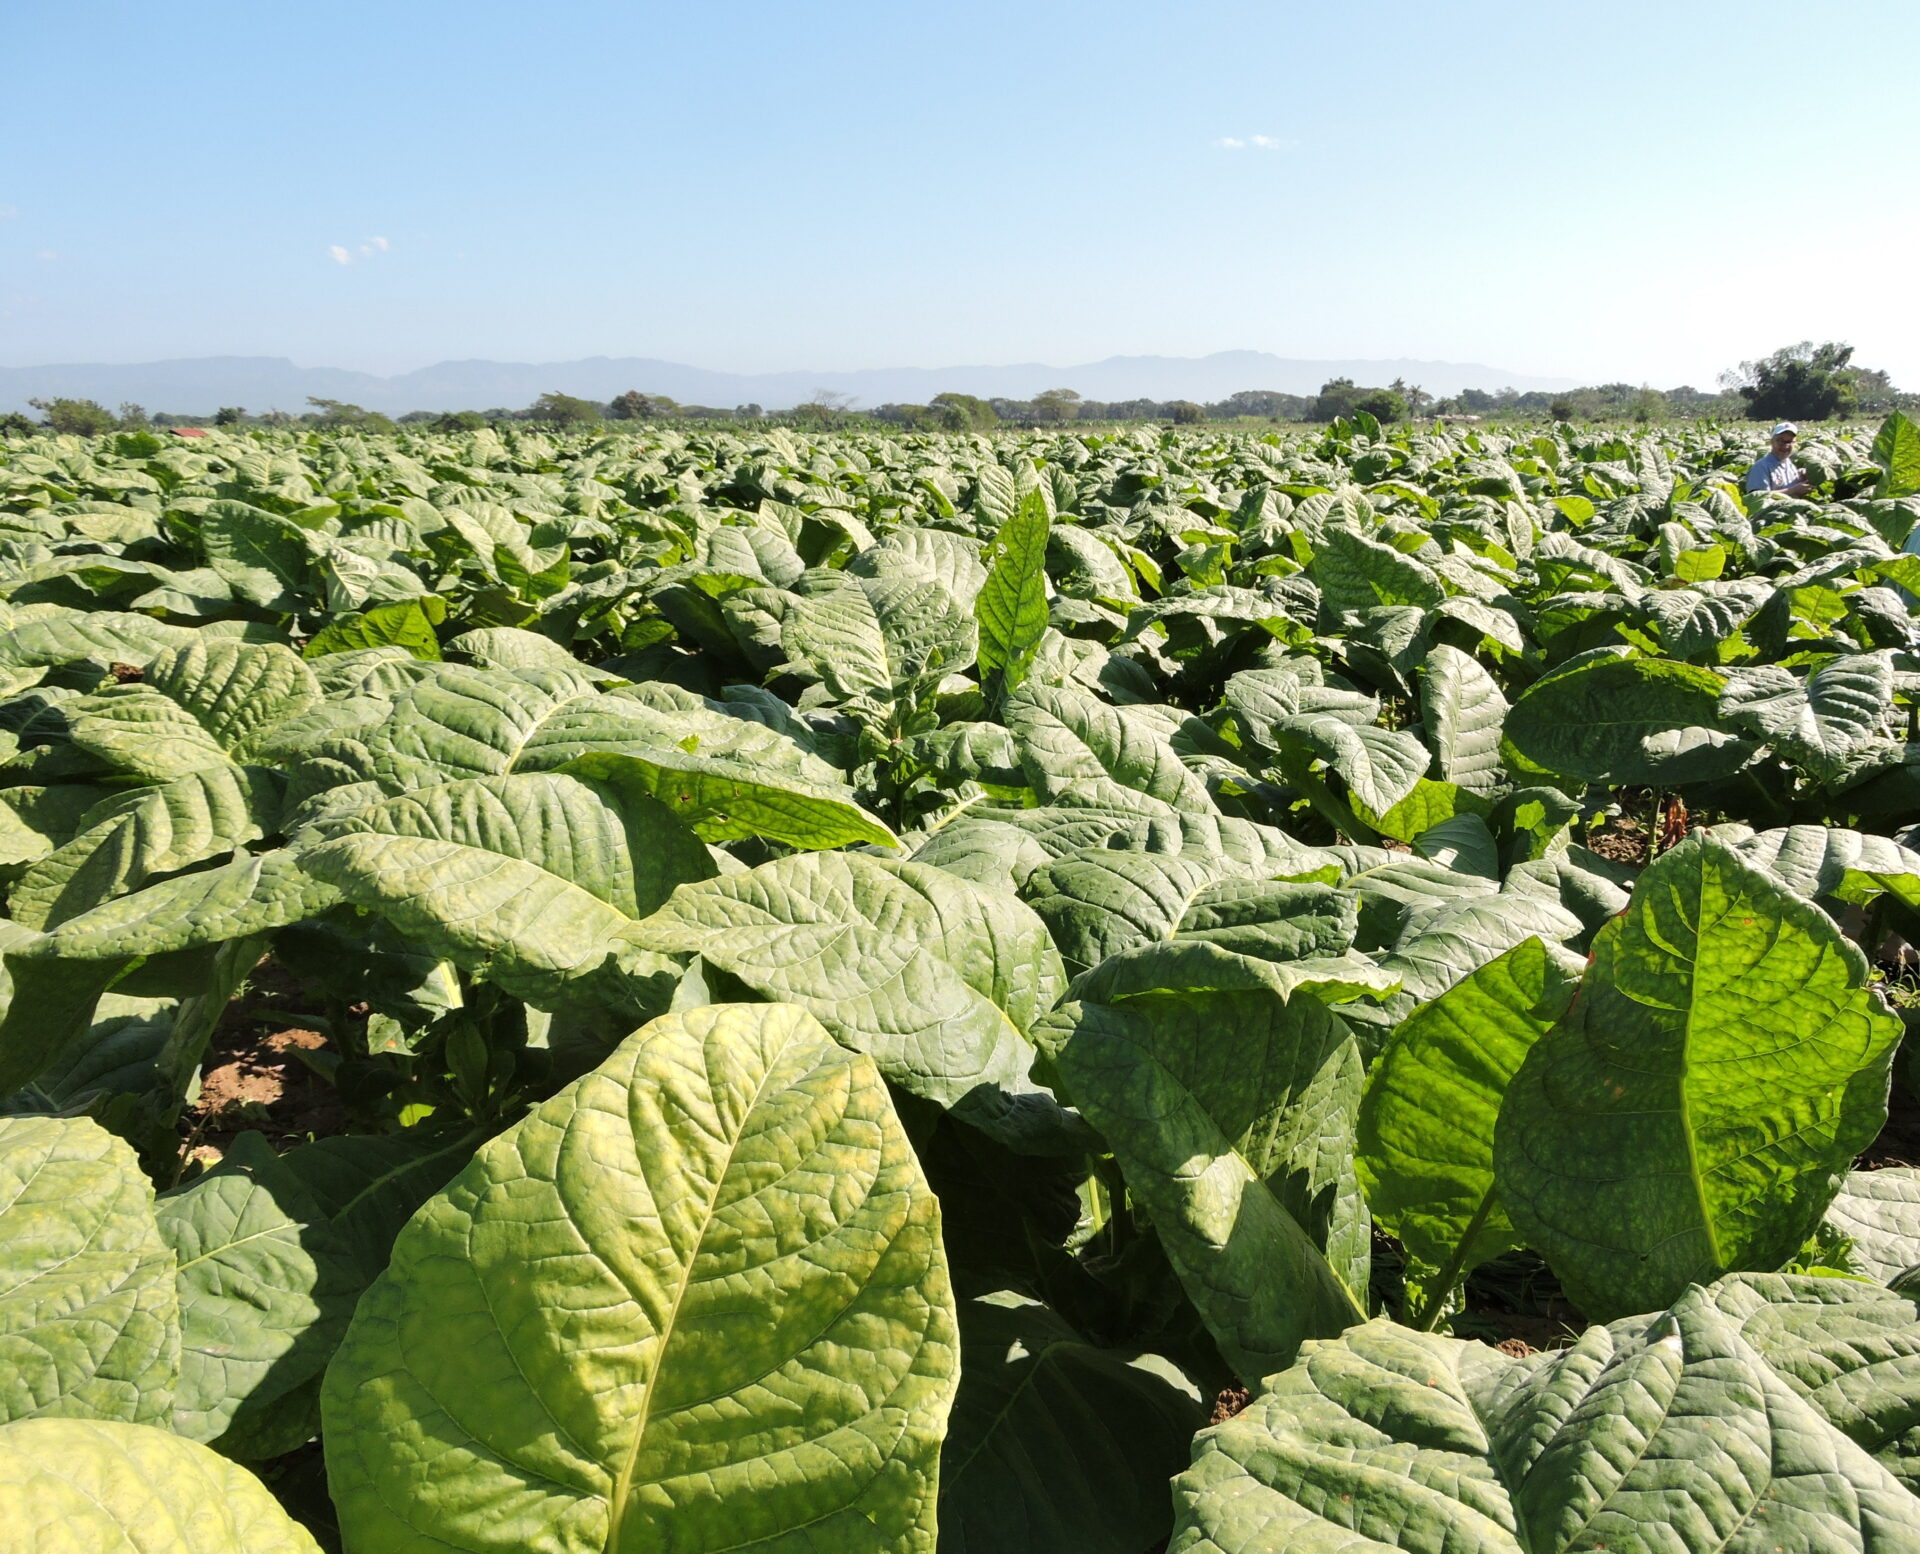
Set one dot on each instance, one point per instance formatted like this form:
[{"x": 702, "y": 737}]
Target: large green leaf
[
  {"x": 406, "y": 625},
  {"x": 238, "y": 691},
  {"x": 1056, "y": 1445},
  {"x": 211, "y": 700},
  {"x": 369, "y": 1185},
  {"x": 1846, "y": 1346},
  {"x": 89, "y": 1324},
  {"x": 458, "y": 721},
  {"x": 880, "y": 638},
  {"x": 1232, "y": 1116},
  {"x": 697, "y": 1300},
  {"x": 1896, "y": 449},
  {"x": 1851, "y": 866},
  {"x": 265, "y": 1289},
  {"x": 1379, "y": 766},
  {"x": 1678, "y": 1432},
  {"x": 145, "y": 833},
  {"x": 1077, "y": 749},
  {"x": 1626, "y": 720},
  {"x": 1425, "y": 1136},
  {"x": 262, "y": 556},
  {"x": 35, "y": 820},
  {"x": 50, "y": 1010},
  {"x": 1198, "y": 965},
  {"x": 724, "y": 800},
  {"x": 1441, "y": 944},
  {"x": 1694, "y": 1111},
  {"x": 1357, "y": 573},
  {"x": 1464, "y": 711},
  {"x": 255, "y": 893},
  {"x": 1879, "y": 1211},
  {"x": 75, "y": 1486},
  {"x": 1824, "y": 722},
  {"x": 103, "y": 637},
  {"x": 118, "y": 1056},
  {"x": 529, "y": 878},
  {"x": 142, "y": 734},
  {"x": 1012, "y": 606},
  {"x": 936, "y": 979},
  {"x": 1101, "y": 901}
]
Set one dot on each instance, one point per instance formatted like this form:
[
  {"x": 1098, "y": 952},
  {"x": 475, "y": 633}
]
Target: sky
[{"x": 1638, "y": 192}]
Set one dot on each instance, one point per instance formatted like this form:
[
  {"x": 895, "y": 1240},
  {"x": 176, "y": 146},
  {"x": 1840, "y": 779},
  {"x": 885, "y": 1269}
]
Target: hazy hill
[{"x": 200, "y": 385}]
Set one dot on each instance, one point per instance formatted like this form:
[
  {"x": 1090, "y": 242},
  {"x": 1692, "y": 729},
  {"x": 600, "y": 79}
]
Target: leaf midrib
[
  {"x": 623, "y": 1481},
  {"x": 1694, "y": 1174}
]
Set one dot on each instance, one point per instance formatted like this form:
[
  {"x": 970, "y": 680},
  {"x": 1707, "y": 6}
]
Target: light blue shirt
[{"x": 1770, "y": 474}]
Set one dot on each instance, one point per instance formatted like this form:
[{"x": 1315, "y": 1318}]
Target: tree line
[{"x": 1803, "y": 382}]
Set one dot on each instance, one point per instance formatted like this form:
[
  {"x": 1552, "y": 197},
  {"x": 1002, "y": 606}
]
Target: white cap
[{"x": 1785, "y": 426}]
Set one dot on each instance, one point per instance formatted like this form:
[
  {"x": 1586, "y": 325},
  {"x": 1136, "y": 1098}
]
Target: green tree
[
  {"x": 963, "y": 412},
  {"x": 1184, "y": 412},
  {"x": 635, "y": 406},
  {"x": 1056, "y": 405},
  {"x": 1561, "y": 409},
  {"x": 1385, "y": 405},
  {"x": 75, "y": 417},
  {"x": 14, "y": 424},
  {"x": 1335, "y": 399},
  {"x": 336, "y": 415},
  {"x": 133, "y": 417},
  {"x": 1804, "y": 382},
  {"x": 915, "y": 418},
  {"x": 459, "y": 421},
  {"x": 229, "y": 415},
  {"x": 563, "y": 410}
]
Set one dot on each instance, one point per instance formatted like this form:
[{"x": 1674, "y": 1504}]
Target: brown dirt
[
  {"x": 127, "y": 674},
  {"x": 254, "y": 1077},
  {"x": 1621, "y": 840},
  {"x": 1624, "y": 836},
  {"x": 1519, "y": 1348}
]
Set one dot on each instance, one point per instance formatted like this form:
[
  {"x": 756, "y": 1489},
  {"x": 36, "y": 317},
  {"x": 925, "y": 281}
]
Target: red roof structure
[{"x": 188, "y": 431}]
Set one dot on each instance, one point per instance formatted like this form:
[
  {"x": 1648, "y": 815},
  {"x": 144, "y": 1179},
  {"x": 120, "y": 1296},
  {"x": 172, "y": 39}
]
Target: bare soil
[{"x": 254, "y": 1077}]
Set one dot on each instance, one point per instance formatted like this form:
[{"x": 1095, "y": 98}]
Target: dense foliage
[{"x": 868, "y": 978}]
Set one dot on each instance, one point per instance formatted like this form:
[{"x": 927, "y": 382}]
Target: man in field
[{"x": 1774, "y": 470}]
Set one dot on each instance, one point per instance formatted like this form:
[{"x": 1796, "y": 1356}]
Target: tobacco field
[{"x": 1080, "y": 993}]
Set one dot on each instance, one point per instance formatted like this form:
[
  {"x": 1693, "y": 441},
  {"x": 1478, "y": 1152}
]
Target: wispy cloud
[
  {"x": 8, "y": 213},
  {"x": 48, "y": 254},
  {"x": 371, "y": 249},
  {"x": 1254, "y": 143}
]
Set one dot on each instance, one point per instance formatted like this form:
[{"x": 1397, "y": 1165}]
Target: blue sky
[{"x": 1629, "y": 190}]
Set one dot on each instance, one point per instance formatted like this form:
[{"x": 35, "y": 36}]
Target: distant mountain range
[{"x": 200, "y": 385}]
